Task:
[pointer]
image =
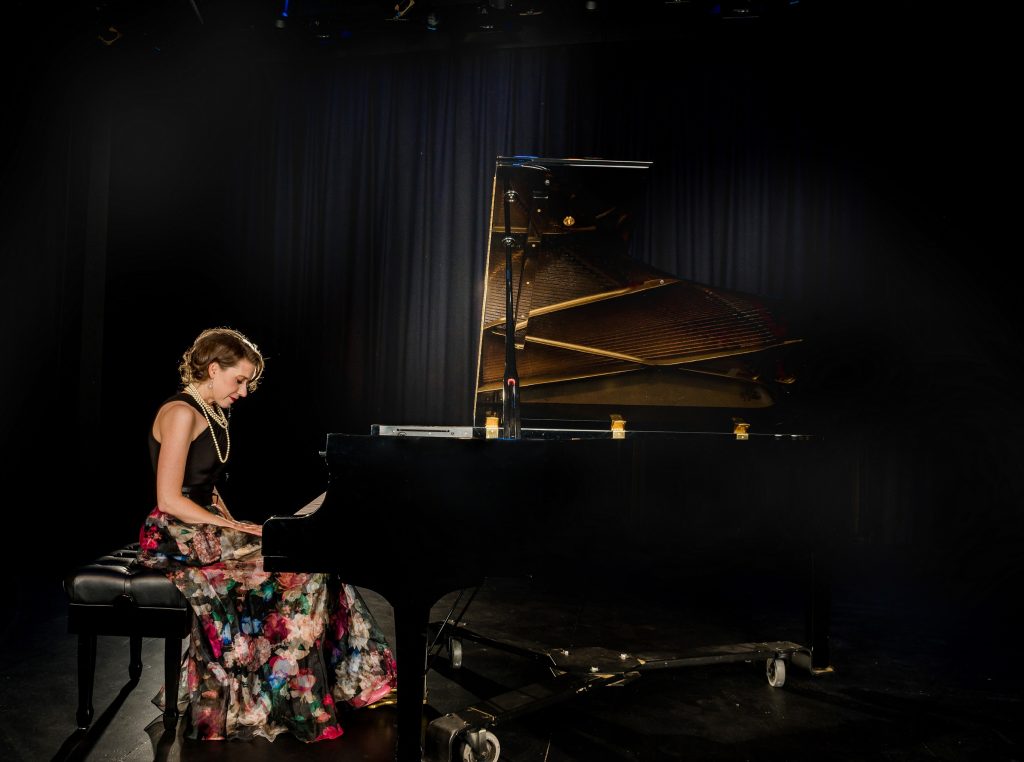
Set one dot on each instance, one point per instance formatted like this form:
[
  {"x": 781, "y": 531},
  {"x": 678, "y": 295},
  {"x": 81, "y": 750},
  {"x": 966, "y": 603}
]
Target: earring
[{"x": 209, "y": 385}]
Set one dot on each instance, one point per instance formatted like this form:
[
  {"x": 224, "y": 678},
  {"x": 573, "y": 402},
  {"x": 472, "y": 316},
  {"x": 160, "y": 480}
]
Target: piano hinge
[
  {"x": 618, "y": 427},
  {"x": 740, "y": 429},
  {"x": 491, "y": 429}
]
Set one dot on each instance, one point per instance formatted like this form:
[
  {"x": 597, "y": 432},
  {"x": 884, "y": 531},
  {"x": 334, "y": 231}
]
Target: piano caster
[
  {"x": 478, "y": 746},
  {"x": 776, "y": 672},
  {"x": 455, "y": 652}
]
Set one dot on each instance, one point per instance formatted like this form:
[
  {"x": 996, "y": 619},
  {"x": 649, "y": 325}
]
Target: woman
[{"x": 269, "y": 652}]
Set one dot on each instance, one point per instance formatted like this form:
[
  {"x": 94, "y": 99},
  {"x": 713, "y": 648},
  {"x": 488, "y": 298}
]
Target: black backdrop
[{"x": 333, "y": 207}]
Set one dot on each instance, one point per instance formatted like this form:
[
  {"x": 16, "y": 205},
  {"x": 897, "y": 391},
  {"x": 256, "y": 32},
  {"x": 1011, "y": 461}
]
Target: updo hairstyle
[{"x": 224, "y": 346}]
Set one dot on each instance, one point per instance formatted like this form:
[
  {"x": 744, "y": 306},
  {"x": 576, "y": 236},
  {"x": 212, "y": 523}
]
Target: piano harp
[{"x": 651, "y": 444}]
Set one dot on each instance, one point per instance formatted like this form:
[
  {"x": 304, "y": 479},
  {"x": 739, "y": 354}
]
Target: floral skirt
[{"x": 270, "y": 652}]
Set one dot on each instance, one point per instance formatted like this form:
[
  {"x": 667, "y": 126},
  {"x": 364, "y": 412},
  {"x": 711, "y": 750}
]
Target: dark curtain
[
  {"x": 364, "y": 187},
  {"x": 335, "y": 209}
]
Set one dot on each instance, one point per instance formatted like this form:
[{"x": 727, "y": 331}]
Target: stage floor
[{"x": 919, "y": 674}]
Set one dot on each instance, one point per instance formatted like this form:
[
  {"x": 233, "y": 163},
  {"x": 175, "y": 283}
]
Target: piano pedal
[
  {"x": 391, "y": 699},
  {"x": 388, "y": 699}
]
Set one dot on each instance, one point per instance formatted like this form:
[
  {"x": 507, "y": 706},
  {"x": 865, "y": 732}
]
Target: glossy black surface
[
  {"x": 664, "y": 511},
  {"x": 642, "y": 506}
]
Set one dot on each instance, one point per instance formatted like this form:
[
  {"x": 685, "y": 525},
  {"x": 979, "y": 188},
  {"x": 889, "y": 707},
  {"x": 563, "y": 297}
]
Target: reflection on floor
[{"x": 914, "y": 679}]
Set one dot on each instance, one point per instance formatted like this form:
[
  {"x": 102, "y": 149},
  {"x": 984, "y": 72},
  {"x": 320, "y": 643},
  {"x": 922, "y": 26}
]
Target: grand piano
[{"x": 653, "y": 442}]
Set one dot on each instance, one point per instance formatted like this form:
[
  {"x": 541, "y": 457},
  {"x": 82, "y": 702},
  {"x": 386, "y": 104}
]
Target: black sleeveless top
[{"x": 202, "y": 466}]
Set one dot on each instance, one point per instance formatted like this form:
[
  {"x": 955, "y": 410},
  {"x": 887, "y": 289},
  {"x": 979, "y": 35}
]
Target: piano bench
[{"x": 115, "y": 595}]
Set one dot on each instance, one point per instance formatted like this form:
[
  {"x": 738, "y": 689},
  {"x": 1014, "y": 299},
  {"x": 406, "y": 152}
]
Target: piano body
[{"x": 648, "y": 451}]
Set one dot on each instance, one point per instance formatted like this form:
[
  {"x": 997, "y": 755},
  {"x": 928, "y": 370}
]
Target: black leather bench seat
[{"x": 115, "y": 595}]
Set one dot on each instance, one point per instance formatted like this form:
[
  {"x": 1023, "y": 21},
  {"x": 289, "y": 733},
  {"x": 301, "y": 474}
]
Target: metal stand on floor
[{"x": 469, "y": 734}]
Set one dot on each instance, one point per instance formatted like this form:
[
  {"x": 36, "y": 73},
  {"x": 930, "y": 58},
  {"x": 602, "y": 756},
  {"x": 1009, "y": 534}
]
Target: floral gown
[{"x": 269, "y": 652}]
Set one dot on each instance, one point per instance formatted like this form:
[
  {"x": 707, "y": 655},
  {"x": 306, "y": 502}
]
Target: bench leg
[
  {"x": 135, "y": 658},
  {"x": 172, "y": 673},
  {"x": 86, "y": 675}
]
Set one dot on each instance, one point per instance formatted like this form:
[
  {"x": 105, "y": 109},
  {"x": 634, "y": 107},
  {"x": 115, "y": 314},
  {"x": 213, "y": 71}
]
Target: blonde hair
[{"x": 224, "y": 346}]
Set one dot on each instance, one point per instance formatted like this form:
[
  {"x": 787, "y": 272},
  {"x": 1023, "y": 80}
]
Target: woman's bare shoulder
[
  {"x": 176, "y": 408},
  {"x": 173, "y": 415}
]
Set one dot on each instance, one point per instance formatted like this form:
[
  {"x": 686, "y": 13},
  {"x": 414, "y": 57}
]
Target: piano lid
[{"x": 598, "y": 333}]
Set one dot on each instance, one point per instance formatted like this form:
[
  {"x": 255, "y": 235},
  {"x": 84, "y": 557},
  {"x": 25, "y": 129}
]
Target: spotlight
[
  {"x": 484, "y": 22},
  {"x": 736, "y": 9},
  {"x": 109, "y": 37},
  {"x": 321, "y": 33}
]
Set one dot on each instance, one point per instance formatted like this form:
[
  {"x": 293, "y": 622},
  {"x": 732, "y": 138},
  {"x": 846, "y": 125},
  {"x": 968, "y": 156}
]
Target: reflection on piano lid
[
  {"x": 598, "y": 333},
  {"x": 389, "y": 430}
]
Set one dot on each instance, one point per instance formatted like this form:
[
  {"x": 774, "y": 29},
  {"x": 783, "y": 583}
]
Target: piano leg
[
  {"x": 411, "y": 620},
  {"x": 819, "y": 612}
]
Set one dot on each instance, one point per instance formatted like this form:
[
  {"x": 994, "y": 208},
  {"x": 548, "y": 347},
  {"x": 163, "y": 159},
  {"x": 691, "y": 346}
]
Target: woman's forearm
[{"x": 191, "y": 512}]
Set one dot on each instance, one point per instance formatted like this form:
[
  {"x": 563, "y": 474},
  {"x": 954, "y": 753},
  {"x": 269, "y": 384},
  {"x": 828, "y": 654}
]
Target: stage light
[
  {"x": 736, "y": 9},
  {"x": 484, "y": 21},
  {"x": 109, "y": 36}
]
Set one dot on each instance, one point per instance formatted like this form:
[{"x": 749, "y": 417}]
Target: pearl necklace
[{"x": 212, "y": 415}]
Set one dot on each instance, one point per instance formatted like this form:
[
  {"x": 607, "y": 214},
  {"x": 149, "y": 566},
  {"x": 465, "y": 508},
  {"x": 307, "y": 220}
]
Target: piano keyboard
[{"x": 312, "y": 505}]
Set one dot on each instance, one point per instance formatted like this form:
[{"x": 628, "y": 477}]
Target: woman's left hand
[
  {"x": 221, "y": 507},
  {"x": 249, "y": 527}
]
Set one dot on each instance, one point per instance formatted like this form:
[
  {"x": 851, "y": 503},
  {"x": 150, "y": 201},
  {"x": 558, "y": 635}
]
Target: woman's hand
[
  {"x": 248, "y": 527},
  {"x": 220, "y": 506}
]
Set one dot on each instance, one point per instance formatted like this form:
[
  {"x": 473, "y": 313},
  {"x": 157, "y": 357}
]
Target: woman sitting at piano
[{"x": 269, "y": 652}]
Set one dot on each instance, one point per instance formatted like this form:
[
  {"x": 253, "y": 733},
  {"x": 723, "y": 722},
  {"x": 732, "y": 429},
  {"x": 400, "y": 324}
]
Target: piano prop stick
[
  {"x": 510, "y": 388},
  {"x": 653, "y": 444}
]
